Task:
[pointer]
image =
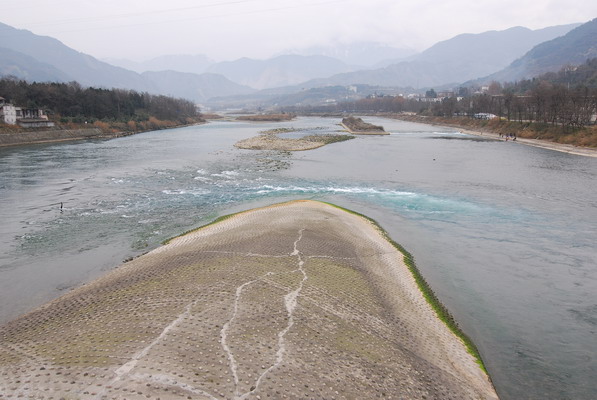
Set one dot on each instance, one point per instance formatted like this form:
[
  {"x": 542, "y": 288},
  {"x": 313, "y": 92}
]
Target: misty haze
[{"x": 332, "y": 199}]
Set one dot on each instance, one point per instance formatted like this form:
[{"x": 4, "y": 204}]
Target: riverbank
[
  {"x": 51, "y": 136},
  {"x": 24, "y": 138},
  {"x": 497, "y": 131},
  {"x": 266, "y": 117},
  {"x": 295, "y": 300}
]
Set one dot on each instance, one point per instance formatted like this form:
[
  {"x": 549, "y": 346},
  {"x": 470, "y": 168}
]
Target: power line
[
  {"x": 137, "y": 14},
  {"x": 203, "y": 17}
]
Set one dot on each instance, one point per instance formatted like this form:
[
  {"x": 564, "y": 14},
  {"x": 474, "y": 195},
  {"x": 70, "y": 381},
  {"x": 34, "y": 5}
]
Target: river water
[{"x": 504, "y": 233}]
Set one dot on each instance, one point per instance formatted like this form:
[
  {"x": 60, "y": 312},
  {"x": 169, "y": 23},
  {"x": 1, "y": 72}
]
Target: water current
[{"x": 504, "y": 233}]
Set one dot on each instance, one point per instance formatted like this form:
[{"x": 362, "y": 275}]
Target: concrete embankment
[
  {"x": 49, "y": 136},
  {"x": 297, "y": 300}
]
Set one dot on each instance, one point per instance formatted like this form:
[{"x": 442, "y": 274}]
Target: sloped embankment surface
[{"x": 300, "y": 300}]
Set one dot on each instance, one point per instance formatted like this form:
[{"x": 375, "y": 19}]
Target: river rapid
[{"x": 504, "y": 233}]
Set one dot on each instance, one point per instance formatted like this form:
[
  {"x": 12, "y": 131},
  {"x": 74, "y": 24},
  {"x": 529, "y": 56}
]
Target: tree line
[
  {"x": 567, "y": 98},
  {"x": 69, "y": 102}
]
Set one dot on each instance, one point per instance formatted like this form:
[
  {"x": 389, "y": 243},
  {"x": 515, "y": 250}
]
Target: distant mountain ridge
[
  {"x": 196, "y": 64},
  {"x": 279, "y": 71},
  {"x": 194, "y": 86},
  {"x": 464, "y": 57},
  {"x": 283, "y": 70},
  {"x": 75, "y": 65},
  {"x": 576, "y": 47},
  {"x": 40, "y": 58},
  {"x": 25, "y": 67},
  {"x": 365, "y": 55}
]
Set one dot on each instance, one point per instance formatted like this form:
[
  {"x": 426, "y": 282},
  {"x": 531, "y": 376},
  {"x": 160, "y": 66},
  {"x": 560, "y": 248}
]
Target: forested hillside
[{"x": 69, "y": 102}]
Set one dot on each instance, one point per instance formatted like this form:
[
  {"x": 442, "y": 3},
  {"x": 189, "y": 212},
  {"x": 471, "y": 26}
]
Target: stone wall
[{"x": 48, "y": 136}]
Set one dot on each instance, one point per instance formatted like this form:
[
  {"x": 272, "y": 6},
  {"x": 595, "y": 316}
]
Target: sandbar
[
  {"x": 295, "y": 300},
  {"x": 271, "y": 141}
]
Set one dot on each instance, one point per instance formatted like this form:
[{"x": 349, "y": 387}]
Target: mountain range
[
  {"x": 462, "y": 58},
  {"x": 459, "y": 59},
  {"x": 514, "y": 53},
  {"x": 195, "y": 64},
  {"x": 363, "y": 55},
  {"x": 574, "y": 48},
  {"x": 285, "y": 70},
  {"x": 41, "y": 58}
]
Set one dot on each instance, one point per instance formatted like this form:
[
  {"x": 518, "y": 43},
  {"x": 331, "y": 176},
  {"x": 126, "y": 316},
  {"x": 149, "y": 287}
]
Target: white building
[
  {"x": 25, "y": 117},
  {"x": 8, "y": 112}
]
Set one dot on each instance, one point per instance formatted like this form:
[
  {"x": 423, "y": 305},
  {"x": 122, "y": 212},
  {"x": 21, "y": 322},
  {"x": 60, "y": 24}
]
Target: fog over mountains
[
  {"x": 501, "y": 55},
  {"x": 453, "y": 61},
  {"x": 279, "y": 71}
]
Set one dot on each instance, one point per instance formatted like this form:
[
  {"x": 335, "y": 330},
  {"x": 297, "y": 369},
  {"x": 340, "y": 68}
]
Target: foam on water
[
  {"x": 194, "y": 192},
  {"x": 404, "y": 199},
  {"x": 501, "y": 231}
]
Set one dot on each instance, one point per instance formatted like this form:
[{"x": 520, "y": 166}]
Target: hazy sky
[{"x": 228, "y": 29}]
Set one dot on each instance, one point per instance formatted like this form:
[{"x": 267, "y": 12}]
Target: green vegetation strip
[
  {"x": 215, "y": 221},
  {"x": 441, "y": 311},
  {"x": 327, "y": 139}
]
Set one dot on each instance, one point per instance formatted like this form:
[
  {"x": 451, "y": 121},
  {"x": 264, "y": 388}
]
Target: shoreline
[
  {"x": 323, "y": 286},
  {"x": 544, "y": 144},
  {"x": 26, "y": 138}
]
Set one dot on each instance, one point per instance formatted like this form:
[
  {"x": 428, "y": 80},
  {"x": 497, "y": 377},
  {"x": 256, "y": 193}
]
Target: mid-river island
[{"x": 295, "y": 300}]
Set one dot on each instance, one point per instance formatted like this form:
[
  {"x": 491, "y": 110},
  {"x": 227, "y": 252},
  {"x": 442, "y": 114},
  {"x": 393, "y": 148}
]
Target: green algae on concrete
[{"x": 298, "y": 300}]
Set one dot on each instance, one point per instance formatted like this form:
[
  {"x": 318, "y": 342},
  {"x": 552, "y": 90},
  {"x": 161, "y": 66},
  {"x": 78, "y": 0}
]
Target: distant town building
[
  {"x": 445, "y": 94},
  {"x": 25, "y": 117},
  {"x": 485, "y": 116},
  {"x": 430, "y": 99}
]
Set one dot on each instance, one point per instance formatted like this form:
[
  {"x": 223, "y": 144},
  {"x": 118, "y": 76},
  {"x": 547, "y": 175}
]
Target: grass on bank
[{"x": 327, "y": 139}]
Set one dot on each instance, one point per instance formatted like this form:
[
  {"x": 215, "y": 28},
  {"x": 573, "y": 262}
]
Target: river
[{"x": 504, "y": 233}]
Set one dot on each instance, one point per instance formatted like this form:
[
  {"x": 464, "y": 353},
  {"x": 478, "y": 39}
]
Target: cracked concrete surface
[{"x": 298, "y": 300}]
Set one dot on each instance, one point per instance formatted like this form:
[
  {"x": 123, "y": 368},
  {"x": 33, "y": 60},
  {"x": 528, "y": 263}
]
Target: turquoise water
[{"x": 503, "y": 232}]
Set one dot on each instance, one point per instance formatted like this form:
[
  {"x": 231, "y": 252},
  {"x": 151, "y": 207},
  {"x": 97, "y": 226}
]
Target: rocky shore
[
  {"x": 357, "y": 126},
  {"x": 51, "y": 136},
  {"x": 39, "y": 136}
]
